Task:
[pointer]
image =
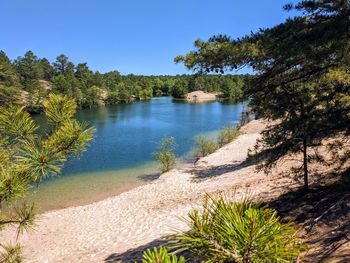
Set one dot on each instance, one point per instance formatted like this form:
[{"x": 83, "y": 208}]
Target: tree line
[{"x": 29, "y": 79}]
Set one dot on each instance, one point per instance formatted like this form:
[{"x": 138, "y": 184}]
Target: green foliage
[
  {"x": 16, "y": 124},
  {"x": 9, "y": 81},
  {"x": 180, "y": 89},
  {"x": 227, "y": 135},
  {"x": 26, "y": 157},
  {"x": 85, "y": 86},
  {"x": 245, "y": 118},
  {"x": 84, "y": 74},
  {"x": 29, "y": 68},
  {"x": 237, "y": 231},
  {"x": 11, "y": 254},
  {"x": 67, "y": 85},
  {"x": 59, "y": 109},
  {"x": 113, "y": 97},
  {"x": 158, "y": 87},
  {"x": 8, "y": 74},
  {"x": 146, "y": 93},
  {"x": 233, "y": 89},
  {"x": 160, "y": 255},
  {"x": 62, "y": 65},
  {"x": 207, "y": 146},
  {"x": 9, "y": 94},
  {"x": 124, "y": 95},
  {"x": 165, "y": 156},
  {"x": 302, "y": 78},
  {"x": 204, "y": 147},
  {"x": 47, "y": 70},
  {"x": 91, "y": 97}
]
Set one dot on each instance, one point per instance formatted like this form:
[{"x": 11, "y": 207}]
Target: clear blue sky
[{"x": 131, "y": 36}]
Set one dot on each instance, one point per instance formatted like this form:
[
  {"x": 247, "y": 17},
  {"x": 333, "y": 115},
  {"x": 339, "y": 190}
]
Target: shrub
[
  {"x": 165, "y": 156},
  {"x": 226, "y": 231},
  {"x": 9, "y": 94},
  {"x": 160, "y": 256},
  {"x": 204, "y": 147},
  {"x": 11, "y": 254},
  {"x": 227, "y": 135},
  {"x": 245, "y": 118}
]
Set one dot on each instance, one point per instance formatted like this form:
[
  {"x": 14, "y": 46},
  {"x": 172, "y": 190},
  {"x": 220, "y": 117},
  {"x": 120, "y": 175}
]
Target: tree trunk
[{"x": 305, "y": 166}]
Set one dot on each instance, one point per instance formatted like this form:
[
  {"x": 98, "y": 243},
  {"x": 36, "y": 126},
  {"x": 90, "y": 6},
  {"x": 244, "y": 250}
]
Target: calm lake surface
[{"x": 120, "y": 156}]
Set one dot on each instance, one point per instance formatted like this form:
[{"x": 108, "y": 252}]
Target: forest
[{"x": 29, "y": 79}]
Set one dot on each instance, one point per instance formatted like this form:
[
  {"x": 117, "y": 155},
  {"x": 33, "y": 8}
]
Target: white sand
[
  {"x": 199, "y": 96},
  {"x": 92, "y": 233}
]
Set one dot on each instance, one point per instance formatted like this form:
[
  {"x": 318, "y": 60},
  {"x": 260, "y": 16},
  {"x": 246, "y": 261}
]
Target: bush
[
  {"x": 9, "y": 94},
  {"x": 245, "y": 118},
  {"x": 165, "y": 156},
  {"x": 227, "y": 135},
  {"x": 11, "y": 254},
  {"x": 160, "y": 256},
  {"x": 204, "y": 147},
  {"x": 226, "y": 231}
]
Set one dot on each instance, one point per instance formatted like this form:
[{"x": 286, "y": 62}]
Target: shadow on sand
[
  {"x": 324, "y": 215},
  {"x": 135, "y": 254},
  {"x": 149, "y": 177},
  {"x": 201, "y": 173}
]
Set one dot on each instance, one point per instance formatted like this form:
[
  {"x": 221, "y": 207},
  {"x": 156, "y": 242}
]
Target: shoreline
[
  {"x": 138, "y": 181},
  {"x": 144, "y": 174},
  {"x": 105, "y": 229}
]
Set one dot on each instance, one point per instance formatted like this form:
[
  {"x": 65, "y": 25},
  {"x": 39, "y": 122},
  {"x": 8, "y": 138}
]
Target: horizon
[{"x": 117, "y": 46}]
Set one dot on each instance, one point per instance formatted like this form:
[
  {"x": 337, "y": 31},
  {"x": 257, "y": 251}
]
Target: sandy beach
[{"x": 105, "y": 230}]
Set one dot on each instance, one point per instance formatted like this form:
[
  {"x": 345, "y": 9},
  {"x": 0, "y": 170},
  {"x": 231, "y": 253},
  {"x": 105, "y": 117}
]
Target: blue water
[
  {"x": 121, "y": 152},
  {"x": 126, "y": 135}
]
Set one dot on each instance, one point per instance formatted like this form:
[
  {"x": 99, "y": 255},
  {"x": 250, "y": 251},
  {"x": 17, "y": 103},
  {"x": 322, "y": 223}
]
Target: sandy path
[{"x": 92, "y": 233}]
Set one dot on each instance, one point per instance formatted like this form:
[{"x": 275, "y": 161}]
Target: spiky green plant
[
  {"x": 227, "y": 231},
  {"x": 227, "y": 135},
  {"x": 204, "y": 147},
  {"x": 11, "y": 254},
  {"x": 160, "y": 255},
  {"x": 28, "y": 156},
  {"x": 165, "y": 156}
]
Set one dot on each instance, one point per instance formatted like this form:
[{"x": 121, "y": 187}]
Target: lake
[{"x": 120, "y": 156}]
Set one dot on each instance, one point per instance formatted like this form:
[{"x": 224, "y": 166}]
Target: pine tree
[
  {"x": 302, "y": 78},
  {"x": 29, "y": 68},
  {"x": 9, "y": 80},
  {"x": 28, "y": 156}
]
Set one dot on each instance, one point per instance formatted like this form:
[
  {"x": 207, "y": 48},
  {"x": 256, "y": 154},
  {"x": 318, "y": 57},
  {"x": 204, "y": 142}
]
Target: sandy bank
[
  {"x": 102, "y": 230},
  {"x": 201, "y": 96}
]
